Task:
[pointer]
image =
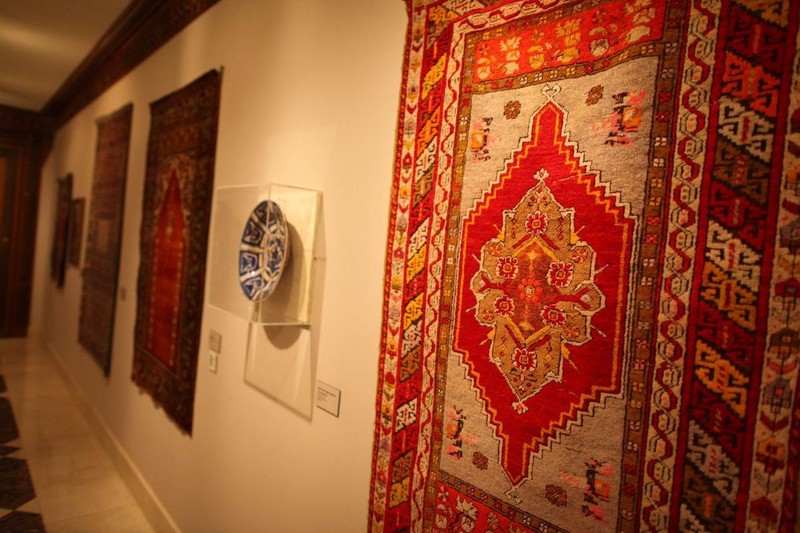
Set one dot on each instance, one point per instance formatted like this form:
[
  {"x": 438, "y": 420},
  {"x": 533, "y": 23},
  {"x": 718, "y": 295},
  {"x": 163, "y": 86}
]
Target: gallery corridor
[{"x": 77, "y": 487}]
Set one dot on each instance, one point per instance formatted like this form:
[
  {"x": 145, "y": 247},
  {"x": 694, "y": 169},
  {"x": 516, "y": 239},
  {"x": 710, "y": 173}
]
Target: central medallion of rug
[
  {"x": 590, "y": 314},
  {"x": 540, "y": 252}
]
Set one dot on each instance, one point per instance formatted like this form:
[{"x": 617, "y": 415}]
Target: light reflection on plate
[{"x": 263, "y": 251}]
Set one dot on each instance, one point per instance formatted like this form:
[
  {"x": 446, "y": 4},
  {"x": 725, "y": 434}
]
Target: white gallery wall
[{"x": 310, "y": 91}]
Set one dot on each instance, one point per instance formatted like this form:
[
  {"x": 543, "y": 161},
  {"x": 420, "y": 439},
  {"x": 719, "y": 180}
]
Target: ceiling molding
[{"x": 142, "y": 28}]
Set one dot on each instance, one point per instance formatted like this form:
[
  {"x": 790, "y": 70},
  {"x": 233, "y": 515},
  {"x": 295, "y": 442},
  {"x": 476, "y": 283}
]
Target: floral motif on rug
[
  {"x": 174, "y": 238},
  {"x": 591, "y": 301}
]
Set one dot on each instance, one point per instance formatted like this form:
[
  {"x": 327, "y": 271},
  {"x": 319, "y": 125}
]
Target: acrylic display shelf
[{"x": 290, "y": 303}]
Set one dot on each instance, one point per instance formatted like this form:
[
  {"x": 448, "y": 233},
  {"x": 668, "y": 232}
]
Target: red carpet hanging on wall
[
  {"x": 174, "y": 238},
  {"x": 58, "y": 253},
  {"x": 591, "y": 309},
  {"x": 101, "y": 272}
]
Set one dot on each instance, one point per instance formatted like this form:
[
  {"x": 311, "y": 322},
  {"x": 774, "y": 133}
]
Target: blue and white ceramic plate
[{"x": 263, "y": 251}]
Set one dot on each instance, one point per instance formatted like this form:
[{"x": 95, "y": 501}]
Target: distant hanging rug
[
  {"x": 107, "y": 208},
  {"x": 174, "y": 239},
  {"x": 591, "y": 309},
  {"x": 58, "y": 253}
]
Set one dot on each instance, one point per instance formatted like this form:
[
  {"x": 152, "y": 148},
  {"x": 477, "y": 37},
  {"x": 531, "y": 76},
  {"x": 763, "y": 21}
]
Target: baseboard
[{"x": 151, "y": 507}]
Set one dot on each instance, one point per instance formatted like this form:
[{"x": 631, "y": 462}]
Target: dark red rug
[
  {"x": 174, "y": 238},
  {"x": 58, "y": 253}
]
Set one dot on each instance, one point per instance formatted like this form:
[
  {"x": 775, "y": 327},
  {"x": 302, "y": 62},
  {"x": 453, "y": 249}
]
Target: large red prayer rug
[
  {"x": 101, "y": 271},
  {"x": 174, "y": 239},
  {"x": 591, "y": 317}
]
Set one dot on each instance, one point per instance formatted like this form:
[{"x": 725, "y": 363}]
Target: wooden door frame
[{"x": 25, "y": 139}]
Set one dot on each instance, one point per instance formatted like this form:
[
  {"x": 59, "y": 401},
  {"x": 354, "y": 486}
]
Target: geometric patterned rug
[
  {"x": 19, "y": 510},
  {"x": 591, "y": 312},
  {"x": 104, "y": 236},
  {"x": 176, "y": 212}
]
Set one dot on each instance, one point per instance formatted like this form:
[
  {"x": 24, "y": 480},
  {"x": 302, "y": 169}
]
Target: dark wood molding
[
  {"x": 14, "y": 119},
  {"x": 140, "y": 30}
]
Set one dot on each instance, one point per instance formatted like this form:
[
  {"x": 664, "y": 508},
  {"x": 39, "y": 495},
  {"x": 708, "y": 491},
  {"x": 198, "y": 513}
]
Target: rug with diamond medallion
[{"x": 591, "y": 316}]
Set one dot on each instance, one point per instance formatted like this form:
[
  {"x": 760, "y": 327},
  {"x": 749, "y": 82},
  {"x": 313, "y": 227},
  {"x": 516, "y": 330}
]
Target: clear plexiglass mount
[{"x": 290, "y": 301}]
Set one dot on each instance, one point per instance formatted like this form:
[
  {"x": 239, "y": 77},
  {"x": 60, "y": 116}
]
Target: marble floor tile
[
  {"x": 120, "y": 520},
  {"x": 77, "y": 487}
]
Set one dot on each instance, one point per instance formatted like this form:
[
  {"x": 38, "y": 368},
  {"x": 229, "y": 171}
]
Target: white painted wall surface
[{"x": 309, "y": 98}]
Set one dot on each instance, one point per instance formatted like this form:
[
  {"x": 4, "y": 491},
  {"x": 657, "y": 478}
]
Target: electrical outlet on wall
[{"x": 214, "y": 347}]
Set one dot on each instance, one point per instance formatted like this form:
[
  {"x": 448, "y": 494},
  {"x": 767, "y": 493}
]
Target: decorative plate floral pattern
[{"x": 263, "y": 251}]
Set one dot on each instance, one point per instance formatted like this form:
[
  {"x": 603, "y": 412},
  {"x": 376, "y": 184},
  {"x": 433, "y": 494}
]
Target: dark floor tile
[
  {"x": 7, "y": 450},
  {"x": 16, "y": 487},
  {"x": 8, "y": 426},
  {"x": 21, "y": 522}
]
